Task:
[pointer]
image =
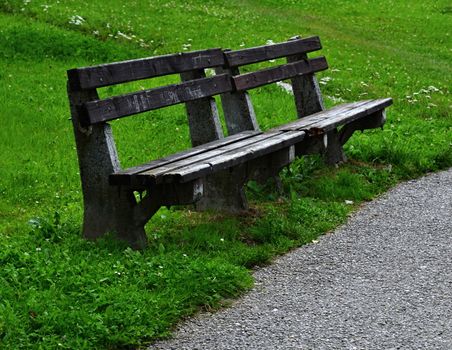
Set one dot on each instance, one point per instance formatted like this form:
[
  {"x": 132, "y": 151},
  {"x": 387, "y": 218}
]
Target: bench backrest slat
[
  {"x": 99, "y": 111},
  {"x": 286, "y": 71},
  {"x": 269, "y": 52},
  {"x": 126, "y": 71}
]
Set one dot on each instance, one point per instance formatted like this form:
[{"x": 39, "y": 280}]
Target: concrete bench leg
[
  {"x": 224, "y": 191},
  {"x": 334, "y": 153}
]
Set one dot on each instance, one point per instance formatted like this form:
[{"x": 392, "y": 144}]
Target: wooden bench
[{"x": 213, "y": 173}]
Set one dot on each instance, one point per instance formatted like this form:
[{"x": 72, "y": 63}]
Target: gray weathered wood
[
  {"x": 154, "y": 175},
  {"x": 270, "y": 75},
  {"x": 203, "y": 118},
  {"x": 235, "y": 157},
  {"x": 124, "y": 177},
  {"x": 99, "y": 111},
  {"x": 268, "y": 52},
  {"x": 311, "y": 120},
  {"x": 237, "y": 107},
  {"x": 361, "y": 110},
  {"x": 338, "y": 115},
  {"x": 121, "y": 72}
]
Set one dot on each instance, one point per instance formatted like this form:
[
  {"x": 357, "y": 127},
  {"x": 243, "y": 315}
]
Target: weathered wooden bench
[{"x": 213, "y": 173}]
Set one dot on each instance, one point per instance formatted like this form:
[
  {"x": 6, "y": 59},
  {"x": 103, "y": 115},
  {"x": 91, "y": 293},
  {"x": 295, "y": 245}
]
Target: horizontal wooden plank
[
  {"x": 155, "y": 175},
  {"x": 124, "y": 177},
  {"x": 362, "y": 111},
  {"x": 305, "y": 122},
  {"x": 271, "y": 75},
  {"x": 269, "y": 52},
  {"x": 125, "y": 71},
  {"x": 338, "y": 115},
  {"x": 100, "y": 111},
  {"x": 232, "y": 158}
]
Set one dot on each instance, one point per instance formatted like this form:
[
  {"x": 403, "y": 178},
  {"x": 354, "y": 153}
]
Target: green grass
[{"x": 60, "y": 291}]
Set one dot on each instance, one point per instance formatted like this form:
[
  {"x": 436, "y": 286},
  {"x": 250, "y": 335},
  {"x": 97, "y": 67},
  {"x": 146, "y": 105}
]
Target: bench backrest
[{"x": 197, "y": 85}]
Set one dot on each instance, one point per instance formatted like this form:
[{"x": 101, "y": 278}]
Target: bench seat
[{"x": 242, "y": 147}]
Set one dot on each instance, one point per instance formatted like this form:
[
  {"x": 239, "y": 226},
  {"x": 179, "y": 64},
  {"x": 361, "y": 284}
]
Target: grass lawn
[{"x": 60, "y": 291}]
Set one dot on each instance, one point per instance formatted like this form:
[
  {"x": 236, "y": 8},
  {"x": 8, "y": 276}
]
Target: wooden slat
[
  {"x": 269, "y": 52},
  {"x": 235, "y": 157},
  {"x": 155, "y": 175},
  {"x": 306, "y": 122},
  {"x": 338, "y": 115},
  {"x": 124, "y": 177},
  {"x": 99, "y": 111},
  {"x": 121, "y": 72},
  {"x": 354, "y": 114},
  {"x": 286, "y": 71}
]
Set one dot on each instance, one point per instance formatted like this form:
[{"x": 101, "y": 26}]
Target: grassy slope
[{"x": 59, "y": 289}]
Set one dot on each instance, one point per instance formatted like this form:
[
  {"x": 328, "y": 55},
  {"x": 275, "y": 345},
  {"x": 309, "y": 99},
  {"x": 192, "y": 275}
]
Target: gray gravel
[{"x": 382, "y": 281}]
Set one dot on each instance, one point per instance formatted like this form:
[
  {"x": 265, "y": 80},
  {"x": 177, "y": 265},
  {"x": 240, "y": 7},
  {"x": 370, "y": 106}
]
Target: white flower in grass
[
  {"x": 325, "y": 80},
  {"x": 125, "y": 36},
  {"x": 77, "y": 20},
  {"x": 348, "y": 202},
  {"x": 336, "y": 99}
]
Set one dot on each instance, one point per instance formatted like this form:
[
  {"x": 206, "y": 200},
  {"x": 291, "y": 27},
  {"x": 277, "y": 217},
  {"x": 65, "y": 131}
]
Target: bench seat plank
[
  {"x": 224, "y": 159},
  {"x": 356, "y": 113},
  {"x": 338, "y": 115},
  {"x": 123, "y": 177},
  {"x": 210, "y": 154},
  {"x": 235, "y": 157},
  {"x": 157, "y": 175}
]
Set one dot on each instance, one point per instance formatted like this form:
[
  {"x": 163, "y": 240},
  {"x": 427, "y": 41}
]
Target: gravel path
[{"x": 382, "y": 281}]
